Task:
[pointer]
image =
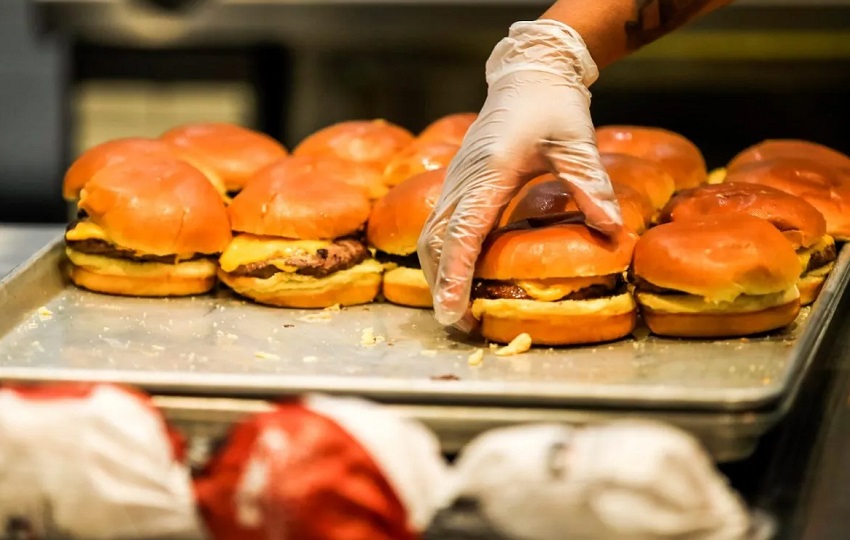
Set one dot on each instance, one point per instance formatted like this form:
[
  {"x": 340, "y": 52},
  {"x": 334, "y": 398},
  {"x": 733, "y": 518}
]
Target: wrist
[{"x": 543, "y": 45}]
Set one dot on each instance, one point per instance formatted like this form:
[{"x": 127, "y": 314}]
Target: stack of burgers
[{"x": 337, "y": 222}]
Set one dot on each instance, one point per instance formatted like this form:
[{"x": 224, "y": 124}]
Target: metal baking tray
[{"x": 223, "y": 348}]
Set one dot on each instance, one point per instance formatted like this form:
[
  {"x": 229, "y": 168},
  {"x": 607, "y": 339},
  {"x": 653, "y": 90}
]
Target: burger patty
[
  {"x": 505, "y": 290},
  {"x": 105, "y": 249},
  {"x": 341, "y": 255},
  {"x": 822, "y": 258},
  {"x": 645, "y": 286},
  {"x": 405, "y": 261}
]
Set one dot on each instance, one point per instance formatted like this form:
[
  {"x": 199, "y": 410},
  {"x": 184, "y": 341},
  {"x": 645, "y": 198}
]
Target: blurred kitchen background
[{"x": 74, "y": 73}]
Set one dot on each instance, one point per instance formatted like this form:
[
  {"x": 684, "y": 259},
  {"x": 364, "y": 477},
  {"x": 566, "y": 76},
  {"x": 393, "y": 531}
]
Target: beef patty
[
  {"x": 342, "y": 254},
  {"x": 405, "y": 261},
  {"x": 506, "y": 290},
  {"x": 103, "y": 248},
  {"x": 822, "y": 258}
]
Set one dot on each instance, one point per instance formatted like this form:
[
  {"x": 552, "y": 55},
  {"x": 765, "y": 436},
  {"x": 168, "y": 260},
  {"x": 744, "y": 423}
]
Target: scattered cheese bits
[
  {"x": 322, "y": 317},
  {"x": 309, "y": 359},
  {"x": 428, "y": 352},
  {"x": 717, "y": 176},
  {"x": 266, "y": 356},
  {"x": 476, "y": 357},
  {"x": 44, "y": 313},
  {"x": 519, "y": 345},
  {"x": 334, "y": 308},
  {"x": 368, "y": 338},
  {"x": 494, "y": 346}
]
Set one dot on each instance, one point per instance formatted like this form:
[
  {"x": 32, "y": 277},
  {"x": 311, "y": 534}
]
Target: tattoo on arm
[{"x": 655, "y": 18}]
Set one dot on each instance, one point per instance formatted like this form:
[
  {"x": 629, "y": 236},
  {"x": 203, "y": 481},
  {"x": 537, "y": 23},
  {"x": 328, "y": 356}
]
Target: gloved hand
[{"x": 536, "y": 119}]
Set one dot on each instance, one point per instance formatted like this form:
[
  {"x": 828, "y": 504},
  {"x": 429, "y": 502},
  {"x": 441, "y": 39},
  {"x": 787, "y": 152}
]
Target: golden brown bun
[
  {"x": 231, "y": 152},
  {"x": 791, "y": 149},
  {"x": 718, "y": 257},
  {"x": 645, "y": 176},
  {"x": 110, "y": 153},
  {"x": 318, "y": 168},
  {"x": 371, "y": 142},
  {"x": 407, "y": 287},
  {"x": 158, "y": 206},
  {"x": 545, "y": 195},
  {"x": 810, "y": 287},
  {"x": 557, "y": 327},
  {"x": 324, "y": 294},
  {"x": 715, "y": 325},
  {"x": 801, "y": 223},
  {"x": 559, "y": 251},
  {"x": 165, "y": 284},
  {"x": 448, "y": 129},
  {"x": 825, "y": 188},
  {"x": 305, "y": 207},
  {"x": 673, "y": 152},
  {"x": 397, "y": 219},
  {"x": 418, "y": 158}
]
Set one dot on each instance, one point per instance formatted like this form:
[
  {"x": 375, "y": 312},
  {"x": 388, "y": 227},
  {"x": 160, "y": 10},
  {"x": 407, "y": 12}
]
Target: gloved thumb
[{"x": 578, "y": 165}]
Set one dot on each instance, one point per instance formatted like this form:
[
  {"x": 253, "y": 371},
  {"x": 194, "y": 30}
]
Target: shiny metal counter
[{"x": 19, "y": 242}]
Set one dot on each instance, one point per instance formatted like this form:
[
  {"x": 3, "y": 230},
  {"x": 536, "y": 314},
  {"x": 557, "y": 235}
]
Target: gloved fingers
[
  {"x": 473, "y": 219},
  {"x": 578, "y": 165}
]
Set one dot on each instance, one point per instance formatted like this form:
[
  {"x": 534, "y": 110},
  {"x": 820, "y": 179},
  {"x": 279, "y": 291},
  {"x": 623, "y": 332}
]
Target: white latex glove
[{"x": 536, "y": 119}]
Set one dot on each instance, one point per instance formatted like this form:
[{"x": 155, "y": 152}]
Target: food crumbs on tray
[
  {"x": 368, "y": 338},
  {"x": 231, "y": 336},
  {"x": 333, "y": 309},
  {"x": 447, "y": 377},
  {"x": 44, "y": 313},
  {"x": 322, "y": 317},
  {"x": 431, "y": 353},
  {"x": 266, "y": 356},
  {"x": 289, "y": 326},
  {"x": 494, "y": 346},
  {"x": 476, "y": 357},
  {"x": 157, "y": 347},
  {"x": 309, "y": 359},
  {"x": 519, "y": 345}
]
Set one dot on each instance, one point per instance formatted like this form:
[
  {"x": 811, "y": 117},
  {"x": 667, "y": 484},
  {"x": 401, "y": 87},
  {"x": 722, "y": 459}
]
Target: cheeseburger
[
  {"x": 562, "y": 284},
  {"x": 297, "y": 242},
  {"x": 677, "y": 155},
  {"x": 546, "y": 195},
  {"x": 153, "y": 227},
  {"x": 369, "y": 142},
  {"x": 791, "y": 149},
  {"x": 716, "y": 276},
  {"x": 825, "y": 188},
  {"x": 394, "y": 227},
  {"x": 418, "y": 158},
  {"x": 233, "y": 154},
  {"x": 449, "y": 129},
  {"x": 799, "y": 221},
  {"x": 118, "y": 151}
]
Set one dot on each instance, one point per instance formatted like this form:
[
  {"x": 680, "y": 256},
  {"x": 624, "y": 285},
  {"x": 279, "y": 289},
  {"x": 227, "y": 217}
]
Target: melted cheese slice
[
  {"x": 509, "y": 308},
  {"x": 110, "y": 266},
  {"x": 86, "y": 230},
  {"x": 369, "y": 271},
  {"x": 550, "y": 290},
  {"x": 248, "y": 248},
  {"x": 688, "y": 303},
  {"x": 805, "y": 255}
]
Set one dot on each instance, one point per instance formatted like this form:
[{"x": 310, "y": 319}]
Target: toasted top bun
[
  {"x": 157, "y": 206},
  {"x": 449, "y": 129},
  {"x": 677, "y": 155},
  {"x": 397, "y": 219},
  {"x": 231, "y": 152},
  {"x": 558, "y": 251},
  {"x": 298, "y": 206},
  {"x": 719, "y": 257},
  {"x": 371, "y": 142},
  {"x": 365, "y": 178},
  {"x": 801, "y": 223},
  {"x": 110, "y": 153},
  {"x": 647, "y": 177},
  {"x": 825, "y": 188},
  {"x": 791, "y": 149},
  {"x": 418, "y": 158},
  {"x": 547, "y": 195}
]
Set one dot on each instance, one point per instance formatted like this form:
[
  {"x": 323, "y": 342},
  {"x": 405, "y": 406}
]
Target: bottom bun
[
  {"x": 810, "y": 288},
  {"x": 167, "y": 284},
  {"x": 569, "y": 322},
  {"x": 720, "y": 324},
  {"x": 357, "y": 285},
  {"x": 407, "y": 287}
]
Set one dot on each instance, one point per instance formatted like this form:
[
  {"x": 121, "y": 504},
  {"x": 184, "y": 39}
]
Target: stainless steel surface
[
  {"x": 19, "y": 242},
  {"x": 222, "y": 346}
]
